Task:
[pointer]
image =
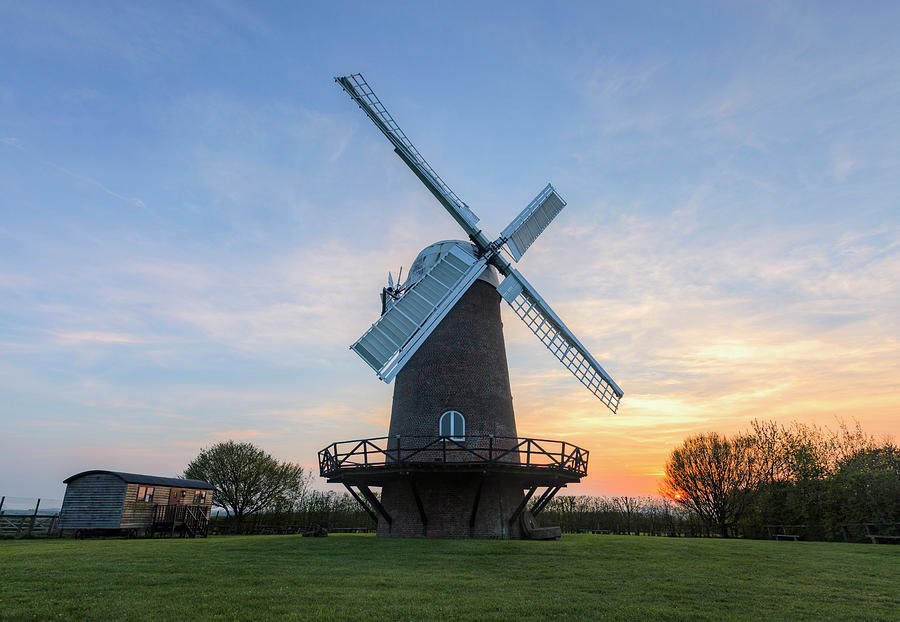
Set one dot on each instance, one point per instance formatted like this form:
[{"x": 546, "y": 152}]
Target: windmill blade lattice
[
  {"x": 405, "y": 325},
  {"x": 553, "y": 333},
  {"x": 357, "y": 87}
]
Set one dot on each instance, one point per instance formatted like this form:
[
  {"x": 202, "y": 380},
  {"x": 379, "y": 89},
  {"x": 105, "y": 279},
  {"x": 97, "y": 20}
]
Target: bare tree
[
  {"x": 628, "y": 506},
  {"x": 802, "y": 451},
  {"x": 247, "y": 479},
  {"x": 713, "y": 476}
]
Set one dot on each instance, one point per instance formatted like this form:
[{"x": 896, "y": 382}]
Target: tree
[
  {"x": 803, "y": 451},
  {"x": 865, "y": 489},
  {"x": 628, "y": 506},
  {"x": 713, "y": 476},
  {"x": 247, "y": 479}
]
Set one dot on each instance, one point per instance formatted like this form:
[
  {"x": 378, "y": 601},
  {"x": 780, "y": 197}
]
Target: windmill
[{"x": 452, "y": 464}]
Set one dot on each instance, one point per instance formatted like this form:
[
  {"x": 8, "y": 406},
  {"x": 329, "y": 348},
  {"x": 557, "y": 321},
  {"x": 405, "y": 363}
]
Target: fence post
[
  {"x": 33, "y": 517},
  {"x": 2, "y": 499}
]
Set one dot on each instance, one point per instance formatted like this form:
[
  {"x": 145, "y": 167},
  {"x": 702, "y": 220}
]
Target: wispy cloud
[
  {"x": 17, "y": 144},
  {"x": 730, "y": 248},
  {"x": 81, "y": 338},
  {"x": 753, "y": 324}
]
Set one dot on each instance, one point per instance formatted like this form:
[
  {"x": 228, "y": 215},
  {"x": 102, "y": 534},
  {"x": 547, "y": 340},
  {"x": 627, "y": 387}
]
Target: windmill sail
[
  {"x": 357, "y": 87},
  {"x": 544, "y": 323},
  {"x": 406, "y": 323},
  {"x": 527, "y": 226},
  {"x": 396, "y": 336}
]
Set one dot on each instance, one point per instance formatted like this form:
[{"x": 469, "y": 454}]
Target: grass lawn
[{"x": 581, "y": 577}]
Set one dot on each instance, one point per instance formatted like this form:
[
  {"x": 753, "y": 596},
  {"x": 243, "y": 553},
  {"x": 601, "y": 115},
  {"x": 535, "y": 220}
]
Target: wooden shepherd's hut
[{"x": 131, "y": 504}]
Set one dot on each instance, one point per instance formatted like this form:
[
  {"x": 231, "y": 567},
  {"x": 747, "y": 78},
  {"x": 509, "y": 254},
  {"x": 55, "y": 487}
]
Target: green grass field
[{"x": 582, "y": 577}]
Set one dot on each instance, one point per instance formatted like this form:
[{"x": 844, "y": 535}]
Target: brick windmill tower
[{"x": 453, "y": 464}]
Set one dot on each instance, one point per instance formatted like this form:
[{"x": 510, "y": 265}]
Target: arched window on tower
[{"x": 453, "y": 425}]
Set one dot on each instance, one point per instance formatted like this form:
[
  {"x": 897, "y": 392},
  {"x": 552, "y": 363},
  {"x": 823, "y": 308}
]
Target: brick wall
[
  {"x": 461, "y": 366},
  {"x": 448, "y": 500}
]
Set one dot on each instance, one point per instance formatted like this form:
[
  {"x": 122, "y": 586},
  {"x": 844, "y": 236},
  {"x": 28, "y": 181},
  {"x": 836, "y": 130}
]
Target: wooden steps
[{"x": 184, "y": 520}]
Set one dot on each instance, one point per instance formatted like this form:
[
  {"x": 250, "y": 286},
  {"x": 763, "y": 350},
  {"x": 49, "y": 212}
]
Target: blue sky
[{"x": 196, "y": 221}]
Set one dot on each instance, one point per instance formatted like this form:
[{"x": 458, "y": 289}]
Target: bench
[
  {"x": 879, "y": 539},
  {"x": 786, "y": 532}
]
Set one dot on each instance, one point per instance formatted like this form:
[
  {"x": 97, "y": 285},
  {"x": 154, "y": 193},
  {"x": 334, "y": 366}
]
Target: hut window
[
  {"x": 200, "y": 496},
  {"x": 145, "y": 494},
  {"x": 453, "y": 425},
  {"x": 183, "y": 495}
]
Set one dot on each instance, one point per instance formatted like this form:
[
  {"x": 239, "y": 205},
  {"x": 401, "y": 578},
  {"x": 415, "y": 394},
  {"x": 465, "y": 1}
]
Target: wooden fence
[
  {"x": 878, "y": 533},
  {"x": 19, "y": 524}
]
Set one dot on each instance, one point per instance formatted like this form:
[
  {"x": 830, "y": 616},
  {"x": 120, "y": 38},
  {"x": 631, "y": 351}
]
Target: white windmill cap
[{"x": 430, "y": 255}]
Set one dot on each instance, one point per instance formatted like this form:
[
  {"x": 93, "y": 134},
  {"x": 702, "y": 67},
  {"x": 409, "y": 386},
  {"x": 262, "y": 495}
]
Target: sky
[{"x": 196, "y": 222}]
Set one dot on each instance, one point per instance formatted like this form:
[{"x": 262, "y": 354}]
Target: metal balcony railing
[{"x": 404, "y": 451}]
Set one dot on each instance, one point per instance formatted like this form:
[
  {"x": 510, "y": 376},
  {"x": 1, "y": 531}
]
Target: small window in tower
[{"x": 453, "y": 425}]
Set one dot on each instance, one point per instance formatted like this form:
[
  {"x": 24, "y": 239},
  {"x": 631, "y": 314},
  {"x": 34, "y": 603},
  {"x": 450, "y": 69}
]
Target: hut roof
[{"x": 153, "y": 480}]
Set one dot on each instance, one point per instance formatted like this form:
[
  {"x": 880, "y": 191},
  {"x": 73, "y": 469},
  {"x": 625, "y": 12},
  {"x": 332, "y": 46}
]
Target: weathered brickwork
[
  {"x": 461, "y": 366},
  {"x": 448, "y": 500}
]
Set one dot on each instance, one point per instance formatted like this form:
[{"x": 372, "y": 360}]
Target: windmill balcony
[{"x": 375, "y": 458}]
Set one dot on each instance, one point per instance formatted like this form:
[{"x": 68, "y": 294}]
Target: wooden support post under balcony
[
  {"x": 545, "y": 499},
  {"x": 371, "y": 498},
  {"x": 475, "y": 503},
  {"x": 515, "y": 515},
  {"x": 422, "y": 516},
  {"x": 361, "y": 502}
]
